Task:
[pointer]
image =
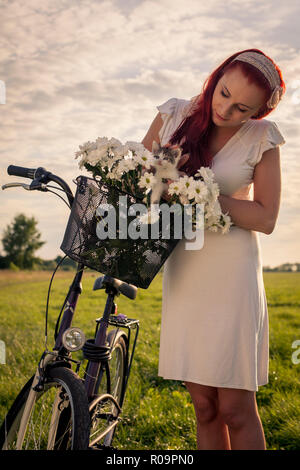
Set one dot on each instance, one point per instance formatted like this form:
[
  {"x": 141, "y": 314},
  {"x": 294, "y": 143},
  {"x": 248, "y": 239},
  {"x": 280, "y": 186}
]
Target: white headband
[{"x": 267, "y": 68}]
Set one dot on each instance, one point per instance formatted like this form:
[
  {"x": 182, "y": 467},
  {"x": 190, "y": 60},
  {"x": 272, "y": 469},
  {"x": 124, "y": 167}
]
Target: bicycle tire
[
  {"x": 73, "y": 405},
  {"x": 113, "y": 372}
]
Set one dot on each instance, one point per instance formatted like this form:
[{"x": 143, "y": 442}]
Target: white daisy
[
  {"x": 206, "y": 173},
  {"x": 148, "y": 180},
  {"x": 174, "y": 188},
  {"x": 200, "y": 191},
  {"x": 228, "y": 223},
  {"x": 186, "y": 184},
  {"x": 145, "y": 159}
]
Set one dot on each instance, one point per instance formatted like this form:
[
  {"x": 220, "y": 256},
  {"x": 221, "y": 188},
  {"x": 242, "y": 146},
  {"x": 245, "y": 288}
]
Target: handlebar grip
[{"x": 21, "y": 171}]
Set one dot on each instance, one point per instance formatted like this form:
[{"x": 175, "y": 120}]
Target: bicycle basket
[{"x": 135, "y": 261}]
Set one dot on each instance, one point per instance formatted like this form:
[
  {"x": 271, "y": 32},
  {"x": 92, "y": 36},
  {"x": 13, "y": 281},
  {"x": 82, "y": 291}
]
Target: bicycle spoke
[
  {"x": 44, "y": 420},
  {"x": 38, "y": 423}
]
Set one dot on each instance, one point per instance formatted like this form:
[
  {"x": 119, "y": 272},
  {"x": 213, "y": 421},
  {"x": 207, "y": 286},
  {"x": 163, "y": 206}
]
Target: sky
[{"x": 77, "y": 70}]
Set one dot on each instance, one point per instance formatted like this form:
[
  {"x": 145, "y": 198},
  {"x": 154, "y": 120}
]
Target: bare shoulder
[{"x": 153, "y": 132}]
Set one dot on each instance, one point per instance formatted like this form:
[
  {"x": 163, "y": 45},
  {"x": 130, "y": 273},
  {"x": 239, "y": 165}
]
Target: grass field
[{"x": 158, "y": 413}]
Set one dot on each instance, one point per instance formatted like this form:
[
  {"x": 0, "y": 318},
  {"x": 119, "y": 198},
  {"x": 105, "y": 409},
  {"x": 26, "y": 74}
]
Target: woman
[{"x": 214, "y": 330}]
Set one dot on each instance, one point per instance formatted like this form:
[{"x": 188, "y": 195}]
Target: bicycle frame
[
  {"x": 49, "y": 357},
  {"x": 70, "y": 302},
  {"x": 57, "y": 356},
  {"x": 60, "y": 356},
  {"x": 101, "y": 332}
]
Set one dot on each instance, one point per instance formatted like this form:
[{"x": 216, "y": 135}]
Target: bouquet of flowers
[
  {"x": 131, "y": 168},
  {"x": 101, "y": 235}
]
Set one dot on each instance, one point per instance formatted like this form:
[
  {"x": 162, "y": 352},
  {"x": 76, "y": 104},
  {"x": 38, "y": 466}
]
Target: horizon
[{"x": 73, "y": 71}]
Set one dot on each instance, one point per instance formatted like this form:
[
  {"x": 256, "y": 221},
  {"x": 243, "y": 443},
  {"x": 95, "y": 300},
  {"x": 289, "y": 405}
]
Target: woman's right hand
[{"x": 183, "y": 159}]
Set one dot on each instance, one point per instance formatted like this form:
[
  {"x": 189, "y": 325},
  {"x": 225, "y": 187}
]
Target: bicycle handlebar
[
  {"x": 41, "y": 175},
  {"x": 21, "y": 171}
]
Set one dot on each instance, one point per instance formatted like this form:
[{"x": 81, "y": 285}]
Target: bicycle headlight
[{"x": 73, "y": 339}]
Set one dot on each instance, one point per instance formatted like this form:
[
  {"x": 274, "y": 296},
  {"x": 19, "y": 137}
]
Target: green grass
[{"x": 157, "y": 414}]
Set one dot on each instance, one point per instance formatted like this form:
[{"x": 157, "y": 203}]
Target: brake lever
[
  {"x": 14, "y": 185},
  {"x": 29, "y": 187}
]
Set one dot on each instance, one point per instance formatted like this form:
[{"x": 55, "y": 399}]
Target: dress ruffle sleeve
[{"x": 271, "y": 138}]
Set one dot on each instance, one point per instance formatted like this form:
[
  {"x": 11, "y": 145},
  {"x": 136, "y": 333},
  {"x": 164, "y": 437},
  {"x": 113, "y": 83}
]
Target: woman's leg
[
  {"x": 212, "y": 433},
  {"x": 238, "y": 410}
]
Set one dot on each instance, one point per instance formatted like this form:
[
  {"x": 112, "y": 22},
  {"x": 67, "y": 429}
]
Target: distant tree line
[
  {"x": 286, "y": 267},
  {"x": 21, "y": 239}
]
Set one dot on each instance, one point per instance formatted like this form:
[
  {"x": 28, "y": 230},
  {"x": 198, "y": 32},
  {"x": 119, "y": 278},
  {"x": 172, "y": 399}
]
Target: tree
[{"x": 20, "y": 241}]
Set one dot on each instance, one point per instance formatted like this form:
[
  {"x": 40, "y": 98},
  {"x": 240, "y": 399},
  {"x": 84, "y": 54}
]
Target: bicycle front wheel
[
  {"x": 105, "y": 409},
  {"x": 58, "y": 420}
]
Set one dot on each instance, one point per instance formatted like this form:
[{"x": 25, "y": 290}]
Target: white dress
[{"x": 214, "y": 328}]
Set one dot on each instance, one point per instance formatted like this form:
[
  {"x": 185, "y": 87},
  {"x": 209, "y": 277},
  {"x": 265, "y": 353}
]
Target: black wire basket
[{"x": 135, "y": 261}]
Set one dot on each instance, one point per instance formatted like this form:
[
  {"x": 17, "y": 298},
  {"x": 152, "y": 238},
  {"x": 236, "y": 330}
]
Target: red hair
[{"x": 195, "y": 129}]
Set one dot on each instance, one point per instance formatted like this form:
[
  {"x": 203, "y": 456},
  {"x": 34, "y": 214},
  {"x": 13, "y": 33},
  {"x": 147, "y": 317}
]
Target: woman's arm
[
  {"x": 260, "y": 214},
  {"x": 153, "y": 133}
]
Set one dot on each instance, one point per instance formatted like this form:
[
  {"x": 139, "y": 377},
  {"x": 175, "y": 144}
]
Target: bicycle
[{"x": 56, "y": 409}]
